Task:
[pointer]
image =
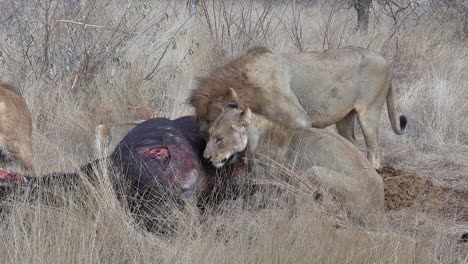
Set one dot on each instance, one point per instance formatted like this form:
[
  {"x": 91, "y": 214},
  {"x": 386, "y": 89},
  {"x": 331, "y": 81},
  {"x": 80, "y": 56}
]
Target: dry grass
[{"x": 147, "y": 53}]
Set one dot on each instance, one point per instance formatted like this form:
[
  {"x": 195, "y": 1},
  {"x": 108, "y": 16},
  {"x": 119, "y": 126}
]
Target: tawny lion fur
[
  {"x": 15, "y": 130},
  {"x": 315, "y": 89},
  {"x": 330, "y": 160},
  {"x": 107, "y": 136}
]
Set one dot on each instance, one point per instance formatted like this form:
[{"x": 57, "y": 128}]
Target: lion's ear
[
  {"x": 245, "y": 117},
  {"x": 232, "y": 95}
]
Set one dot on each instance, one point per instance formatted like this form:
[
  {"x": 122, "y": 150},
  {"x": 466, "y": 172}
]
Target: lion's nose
[{"x": 206, "y": 156}]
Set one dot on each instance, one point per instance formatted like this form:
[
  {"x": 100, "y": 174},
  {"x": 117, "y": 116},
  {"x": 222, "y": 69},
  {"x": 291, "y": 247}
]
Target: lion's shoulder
[{"x": 10, "y": 96}]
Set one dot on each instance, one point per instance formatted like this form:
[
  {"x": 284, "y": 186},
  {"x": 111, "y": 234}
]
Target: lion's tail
[{"x": 391, "y": 114}]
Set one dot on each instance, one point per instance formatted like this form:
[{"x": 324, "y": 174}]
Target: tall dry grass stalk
[{"x": 120, "y": 53}]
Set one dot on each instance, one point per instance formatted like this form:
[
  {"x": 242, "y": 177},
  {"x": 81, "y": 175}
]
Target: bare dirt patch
[
  {"x": 409, "y": 194},
  {"x": 409, "y": 189}
]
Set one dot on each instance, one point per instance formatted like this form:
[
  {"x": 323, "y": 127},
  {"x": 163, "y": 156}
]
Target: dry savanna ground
[{"x": 79, "y": 63}]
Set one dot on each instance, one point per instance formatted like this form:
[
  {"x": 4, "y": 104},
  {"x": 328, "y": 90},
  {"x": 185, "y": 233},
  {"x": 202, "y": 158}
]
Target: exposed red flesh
[
  {"x": 157, "y": 152},
  {"x": 7, "y": 176}
]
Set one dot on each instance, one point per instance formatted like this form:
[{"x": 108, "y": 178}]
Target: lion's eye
[{"x": 218, "y": 140}]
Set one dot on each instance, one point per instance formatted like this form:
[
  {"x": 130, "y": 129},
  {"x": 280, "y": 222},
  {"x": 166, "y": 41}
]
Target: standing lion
[
  {"x": 315, "y": 89},
  {"x": 15, "y": 131}
]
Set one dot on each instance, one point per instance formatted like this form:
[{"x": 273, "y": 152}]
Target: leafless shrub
[
  {"x": 236, "y": 26},
  {"x": 294, "y": 26},
  {"x": 399, "y": 11},
  {"x": 456, "y": 10},
  {"x": 330, "y": 31}
]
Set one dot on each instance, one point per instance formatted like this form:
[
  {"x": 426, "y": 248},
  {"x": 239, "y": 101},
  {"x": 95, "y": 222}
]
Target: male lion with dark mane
[
  {"x": 307, "y": 89},
  {"x": 15, "y": 130}
]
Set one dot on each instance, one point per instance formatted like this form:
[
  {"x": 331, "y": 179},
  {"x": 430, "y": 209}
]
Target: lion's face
[{"x": 228, "y": 135}]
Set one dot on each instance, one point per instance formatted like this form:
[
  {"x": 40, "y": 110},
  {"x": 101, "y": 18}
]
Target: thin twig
[
  {"x": 85, "y": 25},
  {"x": 149, "y": 76},
  {"x": 75, "y": 80}
]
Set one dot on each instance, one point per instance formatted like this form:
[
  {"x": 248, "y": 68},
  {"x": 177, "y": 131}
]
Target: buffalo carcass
[
  {"x": 160, "y": 164},
  {"x": 156, "y": 165}
]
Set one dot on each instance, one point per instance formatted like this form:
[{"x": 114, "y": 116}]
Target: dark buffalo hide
[
  {"x": 163, "y": 153},
  {"x": 159, "y": 166}
]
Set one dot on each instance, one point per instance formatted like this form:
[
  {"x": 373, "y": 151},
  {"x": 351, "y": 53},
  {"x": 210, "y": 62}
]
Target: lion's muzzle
[{"x": 222, "y": 160}]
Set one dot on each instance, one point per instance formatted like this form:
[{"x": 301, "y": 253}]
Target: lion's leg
[
  {"x": 292, "y": 113},
  {"x": 345, "y": 127},
  {"x": 286, "y": 107},
  {"x": 369, "y": 120},
  {"x": 26, "y": 159},
  {"x": 101, "y": 140}
]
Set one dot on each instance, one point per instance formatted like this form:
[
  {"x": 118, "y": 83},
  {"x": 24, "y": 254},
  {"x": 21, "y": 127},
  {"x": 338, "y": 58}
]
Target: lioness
[
  {"x": 307, "y": 89},
  {"x": 331, "y": 160},
  {"x": 15, "y": 130}
]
